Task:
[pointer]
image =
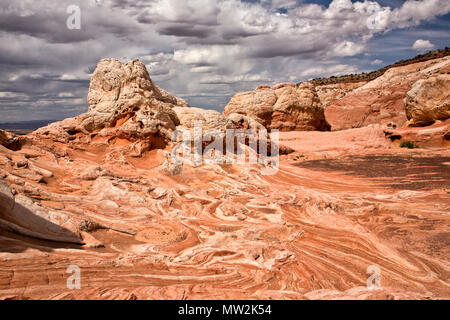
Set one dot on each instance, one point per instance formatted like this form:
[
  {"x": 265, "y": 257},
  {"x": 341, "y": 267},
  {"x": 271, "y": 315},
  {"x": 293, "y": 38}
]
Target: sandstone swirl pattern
[{"x": 99, "y": 191}]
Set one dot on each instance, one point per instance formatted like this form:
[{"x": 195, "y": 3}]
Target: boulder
[
  {"x": 428, "y": 100},
  {"x": 285, "y": 107},
  {"x": 298, "y": 109},
  {"x": 256, "y": 104}
]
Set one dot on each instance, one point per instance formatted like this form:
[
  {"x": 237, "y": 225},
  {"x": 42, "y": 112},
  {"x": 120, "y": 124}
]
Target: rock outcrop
[
  {"x": 23, "y": 216},
  {"x": 210, "y": 119},
  {"x": 285, "y": 107},
  {"x": 124, "y": 102},
  {"x": 382, "y": 101},
  {"x": 436, "y": 135},
  {"x": 429, "y": 100},
  {"x": 256, "y": 104},
  {"x": 329, "y": 93},
  {"x": 243, "y": 122},
  {"x": 11, "y": 141}
]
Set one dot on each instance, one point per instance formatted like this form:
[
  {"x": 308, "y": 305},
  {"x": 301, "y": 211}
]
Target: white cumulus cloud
[{"x": 422, "y": 45}]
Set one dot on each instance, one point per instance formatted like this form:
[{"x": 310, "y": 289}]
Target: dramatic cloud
[{"x": 202, "y": 50}]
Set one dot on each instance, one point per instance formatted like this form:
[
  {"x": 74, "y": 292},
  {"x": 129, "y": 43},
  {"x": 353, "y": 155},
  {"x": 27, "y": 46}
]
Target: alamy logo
[
  {"x": 74, "y": 20},
  {"x": 377, "y": 18},
  {"x": 235, "y": 146},
  {"x": 374, "y": 281},
  {"x": 74, "y": 281}
]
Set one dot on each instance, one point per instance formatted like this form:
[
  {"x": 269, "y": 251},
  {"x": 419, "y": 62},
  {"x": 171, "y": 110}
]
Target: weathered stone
[
  {"x": 428, "y": 100},
  {"x": 382, "y": 101},
  {"x": 210, "y": 119},
  {"x": 11, "y": 141},
  {"x": 122, "y": 96},
  {"x": 284, "y": 107}
]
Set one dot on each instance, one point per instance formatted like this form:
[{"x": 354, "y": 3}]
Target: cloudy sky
[{"x": 201, "y": 50}]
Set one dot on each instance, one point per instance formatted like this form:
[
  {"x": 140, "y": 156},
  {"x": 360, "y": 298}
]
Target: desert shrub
[{"x": 408, "y": 144}]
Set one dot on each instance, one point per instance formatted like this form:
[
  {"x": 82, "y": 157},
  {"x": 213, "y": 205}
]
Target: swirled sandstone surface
[
  {"x": 342, "y": 202},
  {"x": 341, "y": 207}
]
